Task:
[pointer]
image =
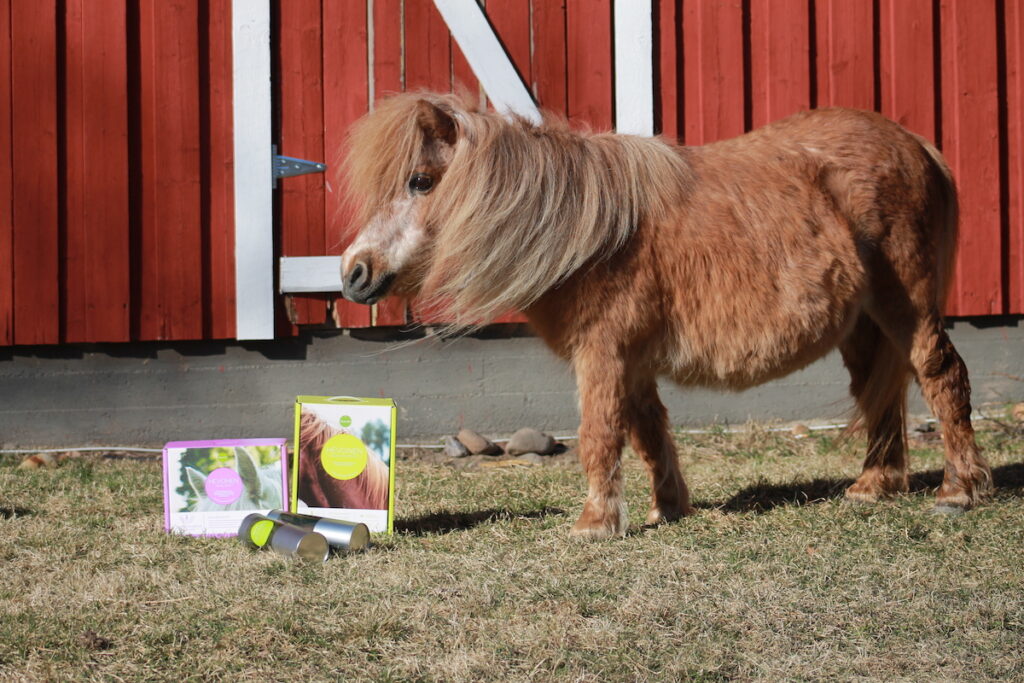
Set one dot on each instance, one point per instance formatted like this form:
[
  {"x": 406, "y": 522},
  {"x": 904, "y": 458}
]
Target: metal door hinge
[{"x": 286, "y": 167}]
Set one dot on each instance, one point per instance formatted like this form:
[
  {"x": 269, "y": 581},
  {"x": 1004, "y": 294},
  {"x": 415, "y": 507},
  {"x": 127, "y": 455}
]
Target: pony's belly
[{"x": 744, "y": 358}]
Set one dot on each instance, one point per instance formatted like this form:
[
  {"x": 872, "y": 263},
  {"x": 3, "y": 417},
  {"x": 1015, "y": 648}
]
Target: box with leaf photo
[
  {"x": 210, "y": 486},
  {"x": 343, "y": 466}
]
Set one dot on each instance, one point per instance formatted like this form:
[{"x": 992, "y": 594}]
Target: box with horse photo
[{"x": 343, "y": 466}]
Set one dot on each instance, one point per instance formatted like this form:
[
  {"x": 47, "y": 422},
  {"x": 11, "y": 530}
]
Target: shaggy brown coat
[{"x": 726, "y": 265}]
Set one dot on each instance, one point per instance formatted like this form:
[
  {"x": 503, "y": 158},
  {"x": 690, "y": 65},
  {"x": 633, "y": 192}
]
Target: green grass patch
[{"x": 775, "y": 577}]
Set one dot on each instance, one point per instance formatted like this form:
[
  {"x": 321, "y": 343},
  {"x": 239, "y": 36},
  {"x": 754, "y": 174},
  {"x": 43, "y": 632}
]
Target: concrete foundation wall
[{"x": 145, "y": 394}]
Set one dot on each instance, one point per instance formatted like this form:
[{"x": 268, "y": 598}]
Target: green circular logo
[
  {"x": 344, "y": 456},
  {"x": 260, "y": 532},
  {"x": 345, "y": 420}
]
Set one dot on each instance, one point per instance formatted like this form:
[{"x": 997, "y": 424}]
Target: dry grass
[{"x": 774, "y": 578}]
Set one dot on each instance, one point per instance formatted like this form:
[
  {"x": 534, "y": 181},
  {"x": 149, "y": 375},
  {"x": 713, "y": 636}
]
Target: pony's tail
[{"x": 944, "y": 218}]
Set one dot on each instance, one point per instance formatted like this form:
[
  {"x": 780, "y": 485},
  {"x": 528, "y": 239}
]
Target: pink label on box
[{"x": 223, "y": 486}]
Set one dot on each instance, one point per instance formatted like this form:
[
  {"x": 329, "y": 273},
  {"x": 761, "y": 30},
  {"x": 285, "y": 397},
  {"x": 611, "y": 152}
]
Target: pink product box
[{"x": 211, "y": 486}]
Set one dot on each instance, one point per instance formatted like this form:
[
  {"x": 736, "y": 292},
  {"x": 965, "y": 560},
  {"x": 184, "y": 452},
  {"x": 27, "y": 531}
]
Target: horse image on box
[
  {"x": 726, "y": 266},
  {"x": 317, "y": 488}
]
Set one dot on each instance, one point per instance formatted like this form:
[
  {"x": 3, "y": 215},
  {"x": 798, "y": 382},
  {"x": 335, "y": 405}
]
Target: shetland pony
[
  {"x": 317, "y": 488},
  {"x": 726, "y": 265}
]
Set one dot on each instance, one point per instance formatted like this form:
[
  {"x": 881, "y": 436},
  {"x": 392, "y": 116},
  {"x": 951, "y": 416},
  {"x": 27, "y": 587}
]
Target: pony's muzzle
[{"x": 360, "y": 285}]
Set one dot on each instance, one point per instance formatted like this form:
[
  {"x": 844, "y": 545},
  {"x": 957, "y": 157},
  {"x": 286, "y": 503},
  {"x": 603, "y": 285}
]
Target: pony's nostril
[{"x": 359, "y": 277}]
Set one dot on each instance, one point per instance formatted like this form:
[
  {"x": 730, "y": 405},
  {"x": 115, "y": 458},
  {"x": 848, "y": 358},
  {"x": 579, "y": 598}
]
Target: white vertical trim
[
  {"x": 487, "y": 58},
  {"x": 634, "y": 67},
  {"x": 254, "y": 209}
]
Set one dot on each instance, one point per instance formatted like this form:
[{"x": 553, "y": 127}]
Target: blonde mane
[{"x": 520, "y": 207}]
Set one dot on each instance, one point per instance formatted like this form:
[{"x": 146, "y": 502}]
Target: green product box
[{"x": 343, "y": 466}]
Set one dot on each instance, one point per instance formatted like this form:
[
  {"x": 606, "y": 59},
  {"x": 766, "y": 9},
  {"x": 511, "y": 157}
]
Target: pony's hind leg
[
  {"x": 648, "y": 430},
  {"x": 601, "y": 381},
  {"x": 945, "y": 385},
  {"x": 879, "y": 374}
]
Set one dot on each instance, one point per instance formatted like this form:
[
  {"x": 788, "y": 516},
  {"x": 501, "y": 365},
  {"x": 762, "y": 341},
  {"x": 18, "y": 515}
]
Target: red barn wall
[{"x": 116, "y": 220}]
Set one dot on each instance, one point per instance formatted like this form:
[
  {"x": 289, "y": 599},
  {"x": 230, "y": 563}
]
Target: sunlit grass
[{"x": 774, "y": 578}]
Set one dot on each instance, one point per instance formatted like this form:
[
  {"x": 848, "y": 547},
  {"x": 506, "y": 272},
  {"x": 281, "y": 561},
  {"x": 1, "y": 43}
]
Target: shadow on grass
[
  {"x": 445, "y": 522},
  {"x": 1008, "y": 479}
]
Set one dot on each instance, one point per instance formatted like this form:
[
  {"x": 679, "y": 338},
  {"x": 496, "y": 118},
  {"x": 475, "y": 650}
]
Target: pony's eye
[{"x": 421, "y": 182}]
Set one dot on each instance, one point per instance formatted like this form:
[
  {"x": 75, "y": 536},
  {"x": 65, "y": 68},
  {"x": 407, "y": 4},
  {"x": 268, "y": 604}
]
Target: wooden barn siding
[
  {"x": 116, "y": 214},
  {"x": 115, "y": 173}
]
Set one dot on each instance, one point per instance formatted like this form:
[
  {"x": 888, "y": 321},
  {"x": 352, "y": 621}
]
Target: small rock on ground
[
  {"x": 1018, "y": 412},
  {"x": 528, "y": 440},
  {"x": 478, "y": 444},
  {"x": 453, "y": 448}
]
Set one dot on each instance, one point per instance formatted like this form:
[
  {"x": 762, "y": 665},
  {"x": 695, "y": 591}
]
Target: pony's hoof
[
  {"x": 657, "y": 515},
  {"x": 948, "y": 509},
  {"x": 861, "y": 497}
]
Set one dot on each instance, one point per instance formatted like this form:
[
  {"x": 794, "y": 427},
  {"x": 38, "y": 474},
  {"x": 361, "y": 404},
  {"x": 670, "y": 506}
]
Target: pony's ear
[
  {"x": 197, "y": 480},
  {"x": 249, "y": 472},
  {"x": 436, "y": 122}
]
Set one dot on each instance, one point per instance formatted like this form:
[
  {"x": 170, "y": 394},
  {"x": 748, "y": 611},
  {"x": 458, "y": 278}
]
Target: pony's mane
[{"x": 521, "y": 207}]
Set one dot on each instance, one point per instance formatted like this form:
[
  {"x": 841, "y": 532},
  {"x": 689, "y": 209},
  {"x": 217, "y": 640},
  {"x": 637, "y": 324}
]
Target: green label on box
[{"x": 344, "y": 456}]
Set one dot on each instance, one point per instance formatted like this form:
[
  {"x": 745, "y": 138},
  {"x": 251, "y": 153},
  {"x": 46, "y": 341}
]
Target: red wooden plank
[
  {"x": 96, "y": 181},
  {"x": 549, "y": 56},
  {"x": 845, "y": 63},
  {"x": 713, "y": 70},
  {"x": 387, "y": 48},
  {"x": 667, "y": 65},
  {"x": 907, "y": 66},
  {"x": 300, "y": 83},
  {"x": 6, "y": 177},
  {"x": 219, "y": 204},
  {"x": 464, "y": 81},
  {"x": 1015, "y": 154},
  {"x": 387, "y": 78},
  {"x": 427, "y": 48},
  {"x": 346, "y": 98},
  {"x": 779, "y": 59},
  {"x": 970, "y": 141},
  {"x": 35, "y": 183},
  {"x": 589, "y": 62},
  {"x": 171, "y": 239}
]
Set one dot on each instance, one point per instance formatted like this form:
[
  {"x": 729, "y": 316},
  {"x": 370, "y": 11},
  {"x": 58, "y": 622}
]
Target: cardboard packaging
[
  {"x": 210, "y": 486},
  {"x": 343, "y": 466}
]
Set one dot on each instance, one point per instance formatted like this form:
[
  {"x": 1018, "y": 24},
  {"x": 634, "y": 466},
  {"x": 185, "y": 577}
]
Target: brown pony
[
  {"x": 726, "y": 265},
  {"x": 317, "y": 488}
]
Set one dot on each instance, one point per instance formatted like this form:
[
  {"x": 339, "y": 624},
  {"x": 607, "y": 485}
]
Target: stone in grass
[
  {"x": 528, "y": 440},
  {"x": 38, "y": 460},
  {"x": 478, "y": 444},
  {"x": 801, "y": 431},
  {"x": 1018, "y": 412},
  {"x": 532, "y": 458},
  {"x": 453, "y": 448}
]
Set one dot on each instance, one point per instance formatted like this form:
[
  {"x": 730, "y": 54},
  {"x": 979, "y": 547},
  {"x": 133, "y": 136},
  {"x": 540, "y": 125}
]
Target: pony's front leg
[{"x": 602, "y": 407}]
